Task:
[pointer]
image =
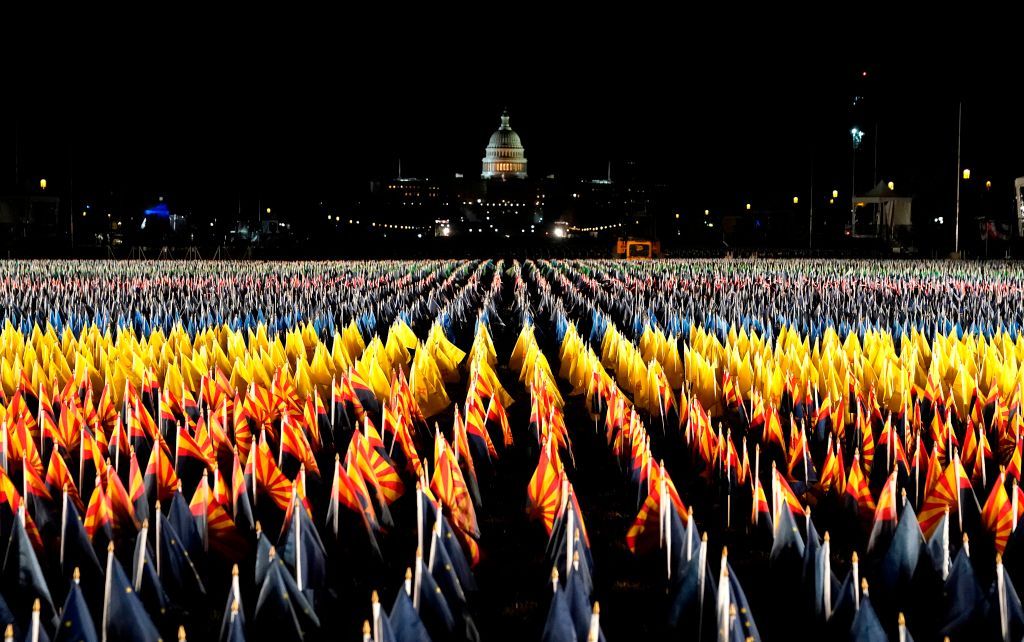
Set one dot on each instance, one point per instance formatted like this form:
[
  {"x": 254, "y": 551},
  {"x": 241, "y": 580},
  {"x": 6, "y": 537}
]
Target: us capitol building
[
  {"x": 506, "y": 201},
  {"x": 505, "y": 157}
]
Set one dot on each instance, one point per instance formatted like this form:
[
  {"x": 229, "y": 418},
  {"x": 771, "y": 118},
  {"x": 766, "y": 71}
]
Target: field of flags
[{"x": 473, "y": 450}]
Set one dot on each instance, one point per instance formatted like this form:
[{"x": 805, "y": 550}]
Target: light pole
[
  {"x": 966, "y": 175},
  {"x": 856, "y": 136}
]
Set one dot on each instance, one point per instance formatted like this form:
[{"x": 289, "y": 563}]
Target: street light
[
  {"x": 892, "y": 186},
  {"x": 835, "y": 193},
  {"x": 856, "y": 136},
  {"x": 796, "y": 200},
  {"x": 966, "y": 174},
  {"x": 42, "y": 183},
  {"x": 748, "y": 207}
]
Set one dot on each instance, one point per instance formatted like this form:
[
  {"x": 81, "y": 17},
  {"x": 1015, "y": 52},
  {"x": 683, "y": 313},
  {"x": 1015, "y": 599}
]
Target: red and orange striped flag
[
  {"x": 544, "y": 490},
  {"x": 857, "y": 489},
  {"x": 268, "y": 477},
  {"x": 945, "y": 494},
  {"x": 997, "y": 514}
]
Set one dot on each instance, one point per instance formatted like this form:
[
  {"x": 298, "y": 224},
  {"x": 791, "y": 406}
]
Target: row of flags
[
  {"x": 433, "y": 602},
  {"x": 572, "y": 614},
  {"x": 933, "y": 297},
  {"x": 696, "y": 608},
  {"x": 145, "y": 474},
  {"x": 146, "y": 297},
  {"x": 937, "y": 481},
  {"x": 145, "y": 498}
]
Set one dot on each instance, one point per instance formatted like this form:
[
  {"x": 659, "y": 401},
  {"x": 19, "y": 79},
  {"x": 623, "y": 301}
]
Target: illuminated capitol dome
[{"x": 505, "y": 156}]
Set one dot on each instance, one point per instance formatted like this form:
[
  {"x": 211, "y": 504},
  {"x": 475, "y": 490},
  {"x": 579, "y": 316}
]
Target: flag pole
[
  {"x": 668, "y": 530},
  {"x": 702, "y": 560},
  {"x": 64, "y": 520},
  {"x": 34, "y": 637},
  {"x": 157, "y": 518},
  {"x": 722, "y": 606},
  {"x": 826, "y": 585},
  {"x": 206, "y": 512},
  {"x": 81, "y": 455},
  {"x": 1004, "y": 617},
  {"x": 959, "y": 510},
  {"x": 981, "y": 455},
  {"x": 917, "y": 472},
  {"x": 416, "y": 581},
  {"x": 945, "y": 546},
  {"x": 106, "y": 591},
  {"x": 689, "y": 534},
  {"x": 296, "y": 507},
  {"x": 1014, "y": 504},
  {"x": 854, "y": 560},
  {"x": 375, "y": 610},
  {"x": 117, "y": 449},
  {"x": 419, "y": 514},
  {"x": 435, "y": 538},
  {"x": 570, "y": 515},
  {"x": 141, "y": 559}
]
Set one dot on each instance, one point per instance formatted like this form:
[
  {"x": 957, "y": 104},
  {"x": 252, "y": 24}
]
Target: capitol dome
[{"x": 505, "y": 156}]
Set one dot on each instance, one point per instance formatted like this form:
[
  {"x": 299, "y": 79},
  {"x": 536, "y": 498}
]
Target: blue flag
[
  {"x": 125, "y": 618},
  {"x": 963, "y": 600},
  {"x": 866, "y": 627},
  {"x": 75, "y": 623},
  {"x": 22, "y": 577},
  {"x": 405, "y": 621},
  {"x": 559, "y": 625}
]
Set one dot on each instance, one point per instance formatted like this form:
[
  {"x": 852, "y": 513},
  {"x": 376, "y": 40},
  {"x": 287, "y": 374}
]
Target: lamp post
[
  {"x": 856, "y": 136},
  {"x": 966, "y": 174}
]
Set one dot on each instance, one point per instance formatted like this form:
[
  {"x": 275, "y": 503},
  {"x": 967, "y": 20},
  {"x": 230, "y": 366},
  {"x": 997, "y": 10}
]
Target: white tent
[{"x": 891, "y": 209}]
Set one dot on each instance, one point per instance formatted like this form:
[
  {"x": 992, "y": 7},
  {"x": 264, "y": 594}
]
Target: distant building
[
  {"x": 505, "y": 201},
  {"x": 405, "y": 201},
  {"x": 505, "y": 157},
  {"x": 31, "y": 215}
]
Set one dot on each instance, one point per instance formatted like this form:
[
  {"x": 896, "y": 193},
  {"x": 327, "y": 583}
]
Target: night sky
[{"x": 289, "y": 117}]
